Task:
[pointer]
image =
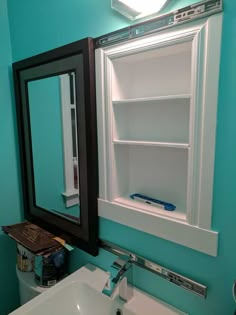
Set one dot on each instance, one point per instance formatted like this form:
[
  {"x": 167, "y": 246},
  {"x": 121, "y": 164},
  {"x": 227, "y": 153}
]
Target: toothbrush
[{"x": 153, "y": 202}]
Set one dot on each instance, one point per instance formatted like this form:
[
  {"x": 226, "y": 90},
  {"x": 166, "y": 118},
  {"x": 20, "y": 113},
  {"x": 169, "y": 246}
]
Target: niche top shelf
[
  {"x": 163, "y": 51},
  {"x": 179, "y": 99}
]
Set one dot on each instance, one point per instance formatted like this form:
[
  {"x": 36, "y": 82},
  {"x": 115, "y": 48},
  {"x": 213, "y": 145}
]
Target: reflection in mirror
[{"x": 53, "y": 124}]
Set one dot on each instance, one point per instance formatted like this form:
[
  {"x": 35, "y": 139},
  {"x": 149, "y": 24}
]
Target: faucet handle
[
  {"x": 125, "y": 291},
  {"x": 120, "y": 269}
]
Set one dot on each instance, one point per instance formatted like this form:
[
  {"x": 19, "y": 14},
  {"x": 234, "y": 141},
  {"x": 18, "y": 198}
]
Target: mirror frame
[{"x": 85, "y": 234}]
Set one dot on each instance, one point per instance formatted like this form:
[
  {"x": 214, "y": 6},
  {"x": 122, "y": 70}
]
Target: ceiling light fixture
[{"x": 137, "y": 9}]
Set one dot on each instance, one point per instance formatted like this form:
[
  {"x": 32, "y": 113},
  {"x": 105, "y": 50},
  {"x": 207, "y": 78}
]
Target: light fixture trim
[{"x": 134, "y": 9}]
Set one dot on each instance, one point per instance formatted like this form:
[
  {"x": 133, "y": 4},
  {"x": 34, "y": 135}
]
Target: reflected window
[{"x": 70, "y": 141}]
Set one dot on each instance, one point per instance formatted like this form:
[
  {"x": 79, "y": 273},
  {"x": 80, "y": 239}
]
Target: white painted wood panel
[
  {"x": 153, "y": 144},
  {"x": 167, "y": 228},
  {"x": 156, "y": 76},
  {"x": 159, "y": 173},
  {"x": 155, "y": 172},
  {"x": 163, "y": 120},
  {"x": 157, "y": 100}
]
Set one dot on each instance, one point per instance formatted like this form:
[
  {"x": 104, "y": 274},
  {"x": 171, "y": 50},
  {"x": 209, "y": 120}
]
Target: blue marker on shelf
[{"x": 153, "y": 202}]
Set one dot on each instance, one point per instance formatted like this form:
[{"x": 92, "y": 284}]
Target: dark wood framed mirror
[{"x": 56, "y": 114}]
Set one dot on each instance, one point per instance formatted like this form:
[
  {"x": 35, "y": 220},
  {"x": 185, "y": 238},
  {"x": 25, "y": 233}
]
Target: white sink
[{"x": 81, "y": 294}]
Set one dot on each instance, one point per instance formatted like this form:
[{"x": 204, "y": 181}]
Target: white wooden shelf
[
  {"x": 155, "y": 75},
  {"x": 153, "y": 144},
  {"x": 156, "y": 114},
  {"x": 178, "y": 99},
  {"x": 176, "y": 214},
  {"x": 163, "y": 119}
]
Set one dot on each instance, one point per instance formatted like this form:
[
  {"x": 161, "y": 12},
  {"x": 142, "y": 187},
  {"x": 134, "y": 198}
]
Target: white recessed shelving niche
[{"x": 157, "y": 101}]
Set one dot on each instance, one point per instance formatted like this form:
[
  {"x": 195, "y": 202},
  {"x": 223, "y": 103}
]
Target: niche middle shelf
[{"x": 155, "y": 121}]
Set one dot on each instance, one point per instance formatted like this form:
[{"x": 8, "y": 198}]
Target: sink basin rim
[{"x": 95, "y": 278}]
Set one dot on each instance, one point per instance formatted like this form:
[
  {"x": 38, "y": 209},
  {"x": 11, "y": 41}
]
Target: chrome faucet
[{"x": 118, "y": 277}]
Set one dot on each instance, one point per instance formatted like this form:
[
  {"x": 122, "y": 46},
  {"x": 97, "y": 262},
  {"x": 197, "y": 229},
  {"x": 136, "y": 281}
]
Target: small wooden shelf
[
  {"x": 154, "y": 144},
  {"x": 176, "y": 214},
  {"x": 179, "y": 99}
]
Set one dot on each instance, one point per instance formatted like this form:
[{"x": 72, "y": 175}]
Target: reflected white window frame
[{"x": 71, "y": 165}]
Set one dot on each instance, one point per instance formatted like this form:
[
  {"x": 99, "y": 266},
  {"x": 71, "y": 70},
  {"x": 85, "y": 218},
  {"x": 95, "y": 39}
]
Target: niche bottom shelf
[{"x": 127, "y": 201}]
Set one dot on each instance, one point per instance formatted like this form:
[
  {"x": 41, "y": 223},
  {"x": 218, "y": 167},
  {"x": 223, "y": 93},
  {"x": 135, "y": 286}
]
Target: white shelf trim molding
[
  {"x": 168, "y": 98},
  {"x": 154, "y": 144},
  {"x": 194, "y": 227},
  {"x": 170, "y": 229}
]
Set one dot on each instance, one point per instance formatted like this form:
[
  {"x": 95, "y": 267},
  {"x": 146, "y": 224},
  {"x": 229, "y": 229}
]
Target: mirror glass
[{"x": 53, "y": 124}]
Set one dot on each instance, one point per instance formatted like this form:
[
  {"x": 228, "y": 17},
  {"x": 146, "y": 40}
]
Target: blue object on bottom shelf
[{"x": 153, "y": 202}]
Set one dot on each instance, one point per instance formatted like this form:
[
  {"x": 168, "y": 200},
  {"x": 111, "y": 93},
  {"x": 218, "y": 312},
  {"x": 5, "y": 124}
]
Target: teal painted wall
[
  {"x": 47, "y": 140},
  {"x": 10, "y": 203},
  {"x": 37, "y": 26}
]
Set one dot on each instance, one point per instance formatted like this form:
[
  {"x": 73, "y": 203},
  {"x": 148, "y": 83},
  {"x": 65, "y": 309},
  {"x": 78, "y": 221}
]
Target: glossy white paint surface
[{"x": 156, "y": 117}]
